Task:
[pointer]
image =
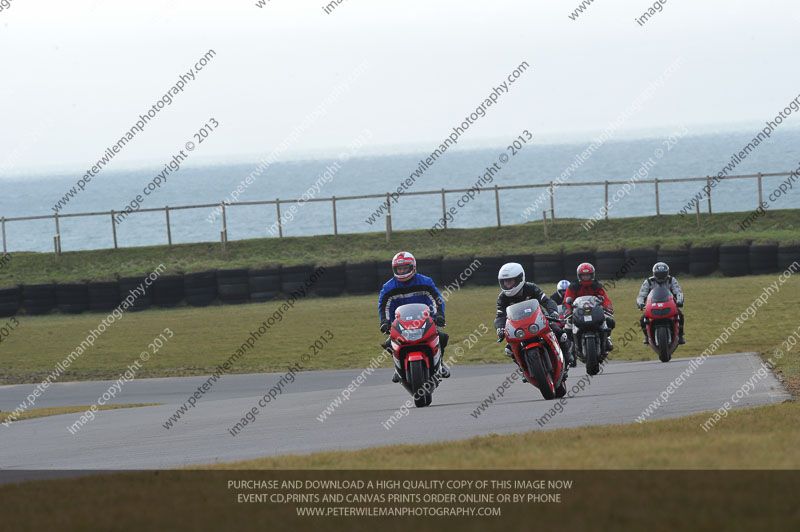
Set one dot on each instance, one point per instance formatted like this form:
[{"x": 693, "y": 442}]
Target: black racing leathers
[{"x": 530, "y": 291}]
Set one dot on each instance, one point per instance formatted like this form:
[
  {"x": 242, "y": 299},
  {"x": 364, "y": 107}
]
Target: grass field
[
  {"x": 667, "y": 231},
  {"x": 58, "y": 410},
  {"x": 205, "y": 337}
]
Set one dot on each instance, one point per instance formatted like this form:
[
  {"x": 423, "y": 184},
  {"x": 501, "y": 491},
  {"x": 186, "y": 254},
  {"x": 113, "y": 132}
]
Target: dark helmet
[{"x": 660, "y": 272}]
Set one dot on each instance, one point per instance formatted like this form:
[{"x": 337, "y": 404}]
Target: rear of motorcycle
[
  {"x": 417, "y": 354},
  {"x": 536, "y": 348}
]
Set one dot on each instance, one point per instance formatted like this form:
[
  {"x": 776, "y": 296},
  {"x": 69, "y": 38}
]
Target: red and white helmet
[
  {"x": 586, "y": 274},
  {"x": 404, "y": 266}
]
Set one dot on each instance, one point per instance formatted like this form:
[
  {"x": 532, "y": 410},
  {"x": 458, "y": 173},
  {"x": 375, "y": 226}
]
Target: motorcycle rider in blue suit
[{"x": 405, "y": 287}]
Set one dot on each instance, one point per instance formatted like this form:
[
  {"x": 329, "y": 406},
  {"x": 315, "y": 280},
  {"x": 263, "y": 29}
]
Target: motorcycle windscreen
[
  {"x": 413, "y": 315},
  {"x": 660, "y": 294},
  {"x": 522, "y": 310},
  {"x": 583, "y": 301}
]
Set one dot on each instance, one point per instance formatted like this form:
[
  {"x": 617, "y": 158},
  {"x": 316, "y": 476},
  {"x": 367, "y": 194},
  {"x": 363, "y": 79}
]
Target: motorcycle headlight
[
  {"x": 412, "y": 335},
  {"x": 519, "y": 333},
  {"x": 533, "y": 328}
]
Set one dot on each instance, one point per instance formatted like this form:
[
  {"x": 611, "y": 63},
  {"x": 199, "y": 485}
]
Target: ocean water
[{"x": 616, "y": 160}]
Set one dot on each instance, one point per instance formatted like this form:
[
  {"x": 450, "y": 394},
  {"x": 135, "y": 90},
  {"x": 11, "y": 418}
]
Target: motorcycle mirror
[{"x": 569, "y": 301}]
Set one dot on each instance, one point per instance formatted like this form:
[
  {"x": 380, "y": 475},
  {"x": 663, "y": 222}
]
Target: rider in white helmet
[
  {"x": 514, "y": 289},
  {"x": 561, "y": 289}
]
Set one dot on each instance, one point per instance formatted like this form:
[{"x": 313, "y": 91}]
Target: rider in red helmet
[{"x": 587, "y": 285}]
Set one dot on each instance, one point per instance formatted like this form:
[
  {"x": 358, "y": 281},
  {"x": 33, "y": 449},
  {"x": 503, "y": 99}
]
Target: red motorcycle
[
  {"x": 661, "y": 320},
  {"x": 417, "y": 355},
  {"x": 536, "y": 348}
]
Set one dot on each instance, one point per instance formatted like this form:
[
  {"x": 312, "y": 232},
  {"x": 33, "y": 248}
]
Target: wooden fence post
[
  {"x": 497, "y": 204},
  {"x": 552, "y": 203},
  {"x": 658, "y": 207},
  {"x": 760, "y": 196},
  {"x": 5, "y": 250},
  {"x": 708, "y": 185},
  {"x": 544, "y": 222},
  {"x": 169, "y": 230},
  {"x": 224, "y": 221},
  {"x": 606, "y": 199},
  {"x": 58, "y": 235},
  {"x": 114, "y": 228},
  {"x": 280, "y": 225},
  {"x": 444, "y": 211},
  {"x": 335, "y": 225},
  {"x": 388, "y": 227}
]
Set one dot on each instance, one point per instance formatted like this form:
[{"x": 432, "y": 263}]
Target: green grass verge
[
  {"x": 750, "y": 438},
  {"x": 58, "y": 410},
  {"x": 206, "y": 337},
  {"x": 668, "y": 231}
]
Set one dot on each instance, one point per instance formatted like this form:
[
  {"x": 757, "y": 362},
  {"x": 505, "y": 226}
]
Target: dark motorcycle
[{"x": 589, "y": 331}]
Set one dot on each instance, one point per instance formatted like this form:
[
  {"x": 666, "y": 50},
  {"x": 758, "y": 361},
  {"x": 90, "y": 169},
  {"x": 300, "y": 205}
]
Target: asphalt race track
[{"x": 136, "y": 438}]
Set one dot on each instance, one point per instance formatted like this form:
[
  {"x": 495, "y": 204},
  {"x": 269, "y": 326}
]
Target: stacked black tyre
[
  {"x": 763, "y": 258},
  {"x": 10, "y": 301},
  {"x": 734, "y": 260},
  {"x": 361, "y": 277},
  {"x": 295, "y": 279},
  {"x": 607, "y": 263},
  {"x": 639, "y": 262},
  {"x": 38, "y": 298},
  {"x": 265, "y": 284},
  {"x": 233, "y": 286},
  {"x": 432, "y": 267},
  {"x": 200, "y": 288},
  {"x": 575, "y": 258},
  {"x": 458, "y": 272},
  {"x": 548, "y": 268},
  {"x": 788, "y": 254},
  {"x": 676, "y": 259},
  {"x": 331, "y": 282},
  {"x": 103, "y": 296},
  {"x": 168, "y": 291},
  {"x": 72, "y": 298},
  {"x": 703, "y": 260},
  {"x": 131, "y": 287},
  {"x": 486, "y": 274}
]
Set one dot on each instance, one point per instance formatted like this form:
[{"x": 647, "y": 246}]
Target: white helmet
[
  {"x": 562, "y": 285},
  {"x": 511, "y": 278}
]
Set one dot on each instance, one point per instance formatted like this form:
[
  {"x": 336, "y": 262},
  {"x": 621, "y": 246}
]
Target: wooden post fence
[
  {"x": 606, "y": 187},
  {"x": 444, "y": 211},
  {"x": 335, "y": 226},
  {"x": 497, "y": 203},
  {"x": 278, "y": 210},
  {"x": 658, "y": 207},
  {"x": 114, "y": 228},
  {"x": 169, "y": 230}
]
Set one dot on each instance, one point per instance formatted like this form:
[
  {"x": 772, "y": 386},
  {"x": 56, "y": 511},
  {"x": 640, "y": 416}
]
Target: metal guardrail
[{"x": 334, "y": 199}]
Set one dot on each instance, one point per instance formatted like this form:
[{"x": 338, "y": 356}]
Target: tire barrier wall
[{"x": 234, "y": 286}]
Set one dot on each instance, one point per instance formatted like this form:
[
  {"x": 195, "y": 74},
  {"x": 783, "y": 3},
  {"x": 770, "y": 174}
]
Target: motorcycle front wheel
[
  {"x": 662, "y": 339},
  {"x": 422, "y": 393},
  {"x": 592, "y": 356},
  {"x": 544, "y": 380}
]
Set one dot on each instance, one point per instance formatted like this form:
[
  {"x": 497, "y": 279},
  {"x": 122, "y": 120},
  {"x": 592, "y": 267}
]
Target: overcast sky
[{"x": 76, "y": 75}]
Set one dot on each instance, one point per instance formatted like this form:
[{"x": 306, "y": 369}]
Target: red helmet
[
  {"x": 404, "y": 266},
  {"x": 586, "y": 274}
]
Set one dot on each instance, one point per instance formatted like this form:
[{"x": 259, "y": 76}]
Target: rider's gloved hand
[
  {"x": 439, "y": 320},
  {"x": 641, "y": 306},
  {"x": 501, "y": 333},
  {"x": 679, "y": 303},
  {"x": 386, "y": 326}
]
